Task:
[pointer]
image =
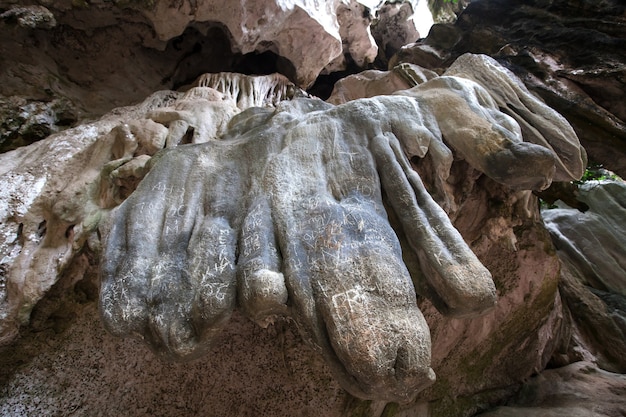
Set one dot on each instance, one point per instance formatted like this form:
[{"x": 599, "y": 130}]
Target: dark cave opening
[{"x": 210, "y": 52}]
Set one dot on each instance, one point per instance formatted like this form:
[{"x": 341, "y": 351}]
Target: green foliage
[
  {"x": 544, "y": 205},
  {"x": 567, "y": 193},
  {"x": 596, "y": 172}
]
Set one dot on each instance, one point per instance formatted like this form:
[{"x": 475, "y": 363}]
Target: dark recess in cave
[
  {"x": 199, "y": 54},
  {"x": 324, "y": 84},
  {"x": 211, "y": 53}
]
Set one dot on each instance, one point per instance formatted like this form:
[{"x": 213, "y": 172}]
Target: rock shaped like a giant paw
[
  {"x": 171, "y": 259},
  {"x": 284, "y": 216}
]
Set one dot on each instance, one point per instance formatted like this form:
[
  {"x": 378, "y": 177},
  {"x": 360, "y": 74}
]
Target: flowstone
[{"x": 287, "y": 215}]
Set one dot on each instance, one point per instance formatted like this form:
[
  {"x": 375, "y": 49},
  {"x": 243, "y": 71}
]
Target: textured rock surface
[
  {"x": 49, "y": 216},
  {"x": 100, "y": 55},
  {"x": 394, "y": 28},
  {"x": 157, "y": 300},
  {"x": 275, "y": 26},
  {"x": 94, "y": 56},
  {"x": 86, "y": 371},
  {"x": 590, "y": 244},
  {"x": 577, "y": 390},
  {"x": 569, "y": 52},
  {"x": 285, "y": 213},
  {"x": 25, "y": 121},
  {"x": 601, "y": 226}
]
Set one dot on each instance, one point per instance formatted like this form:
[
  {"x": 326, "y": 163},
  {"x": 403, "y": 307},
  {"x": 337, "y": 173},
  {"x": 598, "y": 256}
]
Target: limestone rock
[
  {"x": 85, "y": 370},
  {"x": 590, "y": 245},
  {"x": 338, "y": 27},
  {"x": 49, "y": 217},
  {"x": 394, "y": 27},
  {"x": 25, "y": 121},
  {"x": 540, "y": 124},
  {"x": 125, "y": 50},
  {"x": 314, "y": 248},
  {"x": 577, "y": 390},
  {"x": 30, "y": 17},
  {"x": 601, "y": 226},
  {"x": 49, "y": 210},
  {"x": 374, "y": 83},
  {"x": 573, "y": 60},
  {"x": 296, "y": 193},
  {"x": 354, "y": 29}
]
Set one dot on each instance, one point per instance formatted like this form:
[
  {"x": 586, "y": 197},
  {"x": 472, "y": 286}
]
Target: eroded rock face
[
  {"x": 125, "y": 50},
  {"x": 49, "y": 217},
  {"x": 590, "y": 245},
  {"x": 285, "y": 213},
  {"x": 577, "y": 390},
  {"x": 568, "y": 52},
  {"x": 394, "y": 28},
  {"x": 308, "y": 211},
  {"x": 575, "y": 232}
]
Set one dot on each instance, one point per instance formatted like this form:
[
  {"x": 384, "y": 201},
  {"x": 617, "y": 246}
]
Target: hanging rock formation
[
  {"x": 275, "y": 209},
  {"x": 569, "y": 53},
  {"x": 286, "y": 208},
  {"x": 49, "y": 217},
  {"x": 380, "y": 253},
  {"x": 128, "y": 49}
]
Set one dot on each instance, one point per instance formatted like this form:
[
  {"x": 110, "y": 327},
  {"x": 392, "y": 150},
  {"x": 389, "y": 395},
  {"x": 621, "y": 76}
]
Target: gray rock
[
  {"x": 593, "y": 240},
  {"x": 577, "y": 390},
  {"x": 284, "y": 215}
]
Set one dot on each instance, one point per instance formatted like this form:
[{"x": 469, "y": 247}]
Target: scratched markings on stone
[{"x": 289, "y": 209}]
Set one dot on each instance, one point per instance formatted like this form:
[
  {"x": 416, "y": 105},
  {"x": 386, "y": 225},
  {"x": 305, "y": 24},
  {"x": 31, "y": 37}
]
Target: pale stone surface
[
  {"x": 354, "y": 29},
  {"x": 266, "y": 281},
  {"x": 593, "y": 241},
  {"x": 286, "y": 209},
  {"x": 49, "y": 210},
  {"x": 375, "y": 83},
  {"x": 591, "y": 247},
  {"x": 86, "y": 57},
  {"x": 570, "y": 60},
  {"x": 526, "y": 276},
  {"x": 305, "y": 32},
  {"x": 30, "y": 17},
  {"x": 49, "y": 215},
  {"x": 577, "y": 390},
  {"x": 394, "y": 27},
  {"x": 540, "y": 124},
  {"x": 106, "y": 54}
]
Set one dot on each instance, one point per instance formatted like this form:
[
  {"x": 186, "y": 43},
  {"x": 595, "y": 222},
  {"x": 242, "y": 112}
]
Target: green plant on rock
[
  {"x": 567, "y": 191},
  {"x": 597, "y": 172}
]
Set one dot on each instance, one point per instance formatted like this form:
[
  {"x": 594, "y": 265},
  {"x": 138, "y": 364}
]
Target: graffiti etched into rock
[{"x": 286, "y": 215}]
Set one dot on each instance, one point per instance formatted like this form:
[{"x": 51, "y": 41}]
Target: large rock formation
[
  {"x": 128, "y": 49},
  {"x": 568, "y": 52},
  {"x": 593, "y": 280},
  {"x": 294, "y": 256},
  {"x": 577, "y": 390}
]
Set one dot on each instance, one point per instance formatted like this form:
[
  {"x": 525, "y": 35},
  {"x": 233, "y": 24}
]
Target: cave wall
[{"x": 69, "y": 63}]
